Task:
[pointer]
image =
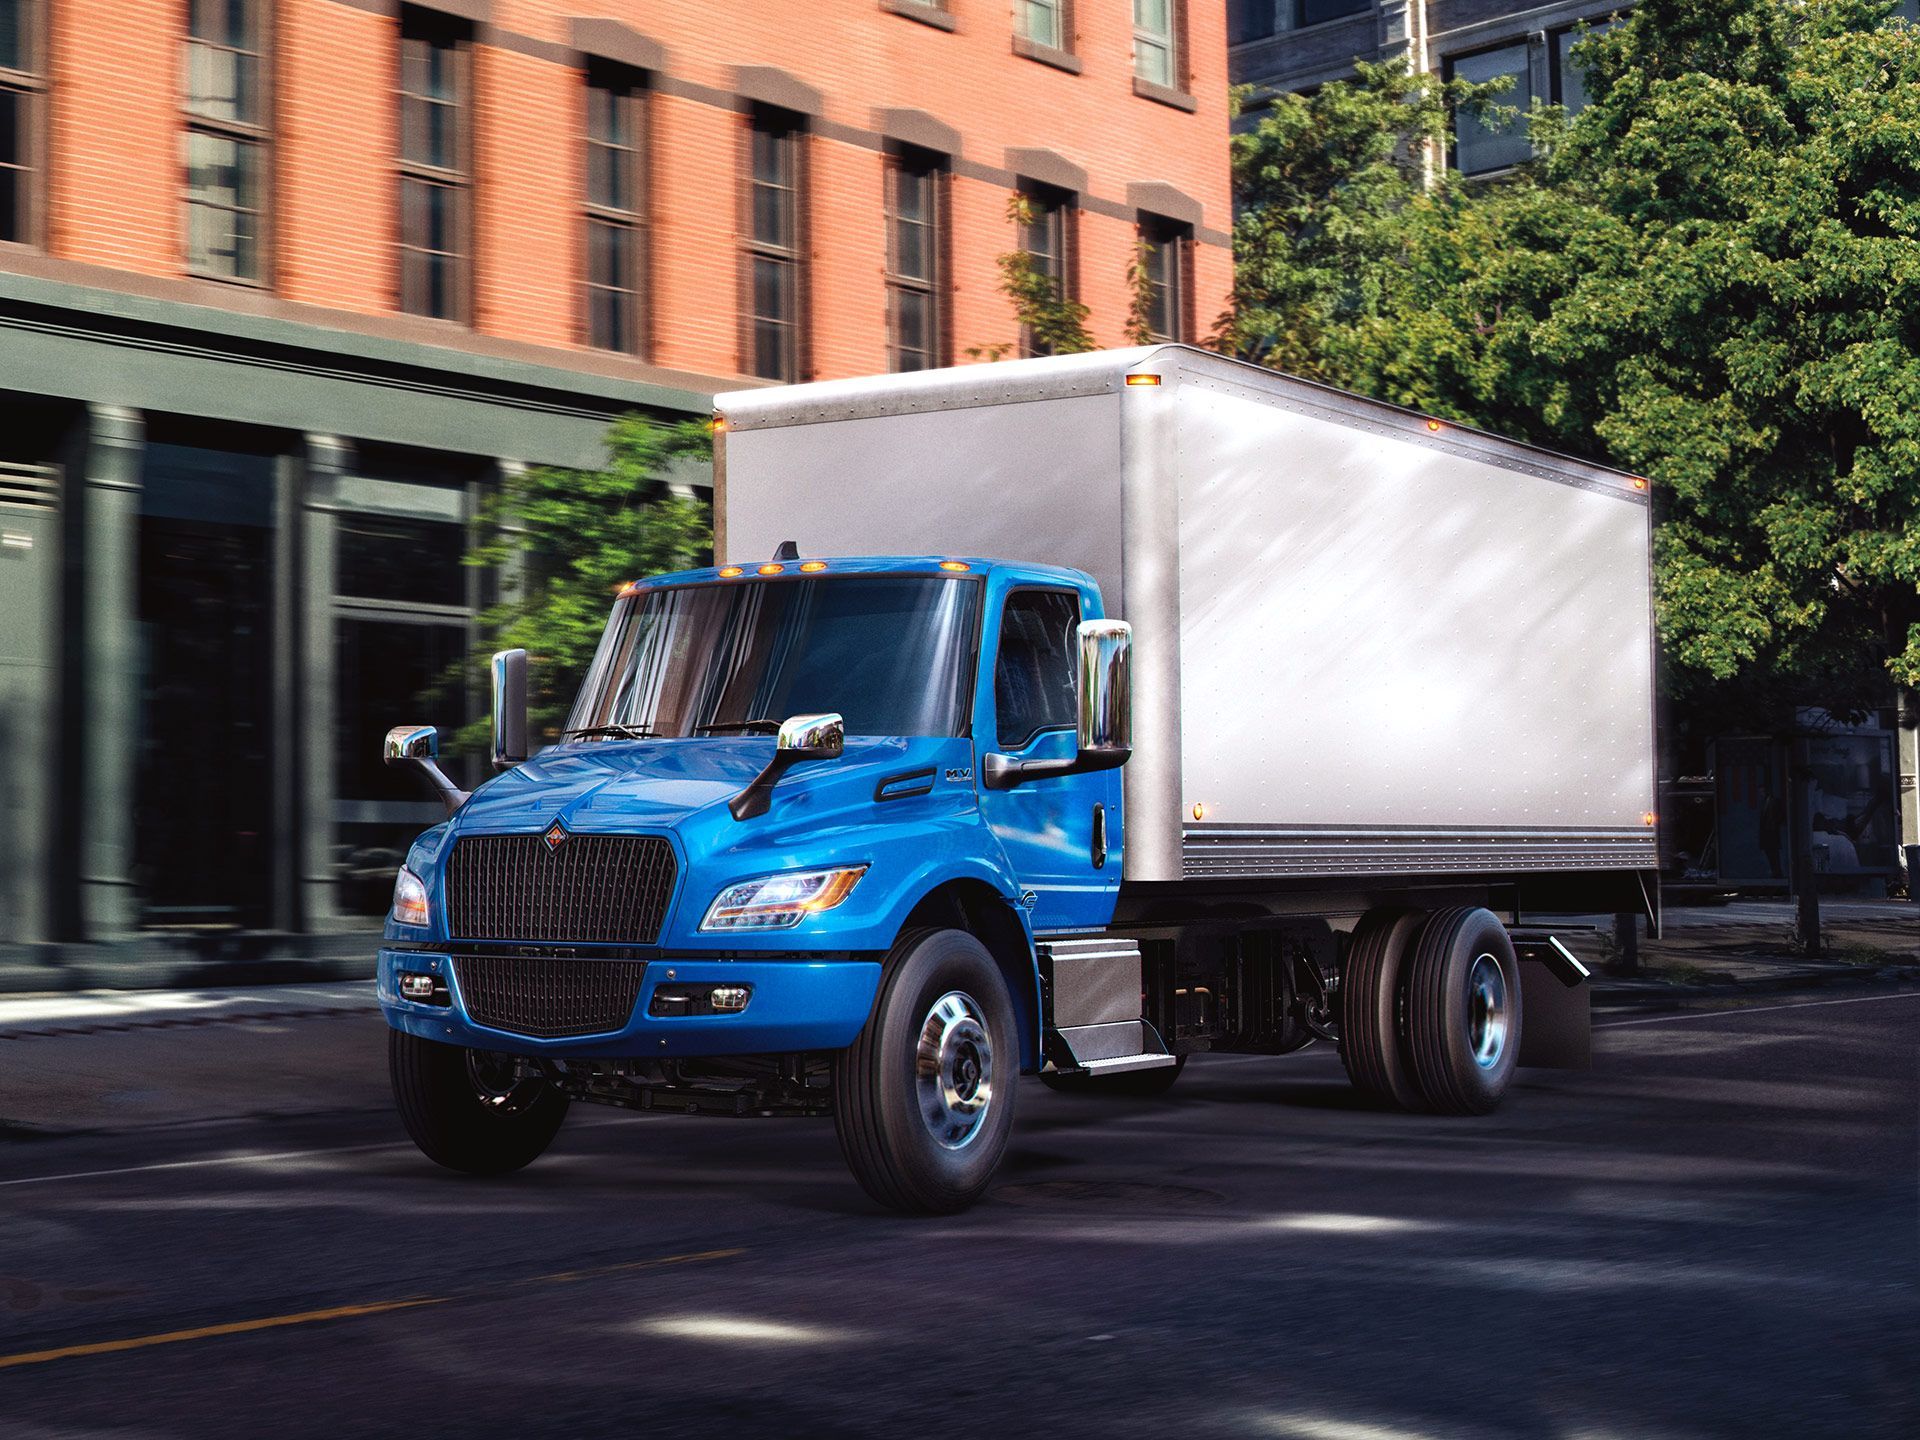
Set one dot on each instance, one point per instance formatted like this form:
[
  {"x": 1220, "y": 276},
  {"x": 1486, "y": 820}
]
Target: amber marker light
[
  {"x": 718, "y": 423},
  {"x": 631, "y": 588},
  {"x": 813, "y": 567},
  {"x": 1199, "y": 811},
  {"x": 1143, "y": 379},
  {"x": 1647, "y": 817},
  {"x": 728, "y": 572},
  {"x": 1639, "y": 482},
  {"x": 955, "y": 565},
  {"x": 1433, "y": 424},
  {"x": 770, "y": 569}
]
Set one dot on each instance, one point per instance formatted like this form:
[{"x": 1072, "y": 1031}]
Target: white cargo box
[{"x": 1365, "y": 643}]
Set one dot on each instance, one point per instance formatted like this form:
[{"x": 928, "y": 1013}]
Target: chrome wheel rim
[
  {"x": 502, "y": 1083},
  {"x": 953, "y": 1070},
  {"x": 1487, "y": 1011}
]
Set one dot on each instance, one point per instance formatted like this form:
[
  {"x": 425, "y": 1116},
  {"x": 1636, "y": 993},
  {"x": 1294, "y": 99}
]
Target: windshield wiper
[
  {"x": 752, "y": 727},
  {"x": 616, "y": 732}
]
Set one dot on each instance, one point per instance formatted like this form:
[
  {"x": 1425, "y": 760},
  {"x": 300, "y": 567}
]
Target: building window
[
  {"x": 915, "y": 268},
  {"x": 1163, "y": 259},
  {"x": 1569, "y": 80},
  {"x": 21, "y": 88},
  {"x": 775, "y": 273},
  {"x": 1047, "y": 237},
  {"x": 616, "y": 210},
  {"x": 1044, "y": 22},
  {"x": 434, "y": 182},
  {"x": 1156, "y": 54},
  {"x": 226, "y": 139},
  {"x": 1250, "y": 20},
  {"x": 1315, "y": 12},
  {"x": 1481, "y": 145}
]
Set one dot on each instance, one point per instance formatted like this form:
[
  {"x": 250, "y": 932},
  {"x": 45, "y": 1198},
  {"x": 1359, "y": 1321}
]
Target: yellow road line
[
  {"x": 207, "y": 1332},
  {"x": 343, "y": 1312}
]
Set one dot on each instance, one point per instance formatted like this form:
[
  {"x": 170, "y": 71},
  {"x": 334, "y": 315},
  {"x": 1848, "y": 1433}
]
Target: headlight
[
  {"x": 778, "y": 902},
  {"x": 409, "y": 899}
]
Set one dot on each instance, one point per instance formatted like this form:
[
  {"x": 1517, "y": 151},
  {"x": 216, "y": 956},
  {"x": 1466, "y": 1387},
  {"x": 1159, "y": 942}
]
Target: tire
[
  {"x": 464, "y": 1112},
  {"x": 908, "y": 1093},
  {"x": 1463, "y": 1011},
  {"x": 1371, "y": 1045},
  {"x": 1129, "y": 1084}
]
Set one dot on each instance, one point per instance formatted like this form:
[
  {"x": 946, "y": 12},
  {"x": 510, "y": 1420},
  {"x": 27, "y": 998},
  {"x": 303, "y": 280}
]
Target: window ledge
[
  {"x": 922, "y": 10},
  {"x": 1165, "y": 95},
  {"x": 1047, "y": 55}
]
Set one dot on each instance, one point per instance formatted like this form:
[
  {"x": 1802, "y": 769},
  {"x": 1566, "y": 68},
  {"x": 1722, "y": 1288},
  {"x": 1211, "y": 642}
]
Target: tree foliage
[
  {"x": 1710, "y": 276},
  {"x": 574, "y": 537}
]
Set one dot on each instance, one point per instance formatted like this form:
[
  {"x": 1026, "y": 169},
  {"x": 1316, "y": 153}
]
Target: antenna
[{"x": 786, "y": 550}]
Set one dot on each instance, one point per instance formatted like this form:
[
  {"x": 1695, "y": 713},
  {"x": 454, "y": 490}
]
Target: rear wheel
[
  {"x": 1463, "y": 1011},
  {"x": 1128, "y": 1084},
  {"x": 923, "y": 1098},
  {"x": 471, "y": 1110},
  {"x": 1371, "y": 1045}
]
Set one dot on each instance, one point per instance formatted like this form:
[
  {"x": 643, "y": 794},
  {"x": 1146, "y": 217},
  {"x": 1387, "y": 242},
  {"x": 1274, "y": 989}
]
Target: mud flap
[{"x": 1556, "y": 1025}]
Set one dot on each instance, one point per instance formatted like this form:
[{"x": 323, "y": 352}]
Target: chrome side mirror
[
  {"x": 813, "y": 737},
  {"x": 1106, "y": 686},
  {"x": 802, "y": 737},
  {"x": 509, "y": 708},
  {"x": 1104, "y": 726},
  {"x": 419, "y": 746}
]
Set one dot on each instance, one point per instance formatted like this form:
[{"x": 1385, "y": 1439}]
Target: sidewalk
[{"x": 1749, "y": 946}]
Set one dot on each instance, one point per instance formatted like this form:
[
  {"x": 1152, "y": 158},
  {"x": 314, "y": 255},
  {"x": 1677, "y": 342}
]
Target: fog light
[
  {"x": 730, "y": 997},
  {"x": 417, "y": 987}
]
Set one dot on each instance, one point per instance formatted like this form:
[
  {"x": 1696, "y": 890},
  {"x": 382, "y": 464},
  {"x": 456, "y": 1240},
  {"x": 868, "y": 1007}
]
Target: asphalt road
[{"x": 220, "y": 1230}]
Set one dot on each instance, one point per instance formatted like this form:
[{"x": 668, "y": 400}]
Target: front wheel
[
  {"x": 471, "y": 1110},
  {"x": 923, "y": 1098}
]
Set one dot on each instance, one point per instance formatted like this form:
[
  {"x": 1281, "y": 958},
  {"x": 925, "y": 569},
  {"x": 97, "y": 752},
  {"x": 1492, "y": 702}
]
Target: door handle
[{"x": 1099, "y": 837}]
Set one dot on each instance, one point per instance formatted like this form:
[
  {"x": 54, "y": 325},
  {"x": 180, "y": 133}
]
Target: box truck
[{"x": 1056, "y": 718}]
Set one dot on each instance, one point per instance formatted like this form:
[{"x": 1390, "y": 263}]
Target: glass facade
[
  {"x": 204, "y": 798},
  {"x": 1484, "y": 144}
]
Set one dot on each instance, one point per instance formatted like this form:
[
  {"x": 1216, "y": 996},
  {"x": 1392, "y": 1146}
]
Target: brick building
[{"x": 286, "y": 285}]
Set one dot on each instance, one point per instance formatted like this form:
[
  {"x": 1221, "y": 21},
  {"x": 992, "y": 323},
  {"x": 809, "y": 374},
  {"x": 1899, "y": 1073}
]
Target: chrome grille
[
  {"x": 588, "y": 889},
  {"x": 548, "y": 998}
]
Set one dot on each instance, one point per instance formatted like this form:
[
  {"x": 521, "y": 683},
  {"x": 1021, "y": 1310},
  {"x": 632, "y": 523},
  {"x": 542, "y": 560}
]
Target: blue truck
[{"x": 1059, "y": 718}]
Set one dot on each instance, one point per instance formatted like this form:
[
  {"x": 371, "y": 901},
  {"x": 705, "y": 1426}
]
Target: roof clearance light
[
  {"x": 1639, "y": 482},
  {"x": 955, "y": 565},
  {"x": 727, "y": 572},
  {"x": 719, "y": 423},
  {"x": 770, "y": 569},
  {"x": 1433, "y": 424},
  {"x": 1143, "y": 379},
  {"x": 632, "y": 587},
  {"x": 813, "y": 567}
]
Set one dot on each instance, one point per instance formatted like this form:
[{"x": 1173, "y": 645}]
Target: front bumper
[{"x": 796, "y": 1005}]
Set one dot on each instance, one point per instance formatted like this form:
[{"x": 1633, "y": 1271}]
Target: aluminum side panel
[
  {"x": 1036, "y": 481},
  {"x": 1393, "y": 647}
]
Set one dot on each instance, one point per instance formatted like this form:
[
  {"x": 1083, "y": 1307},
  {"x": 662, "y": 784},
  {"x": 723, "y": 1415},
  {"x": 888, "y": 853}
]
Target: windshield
[{"x": 893, "y": 654}]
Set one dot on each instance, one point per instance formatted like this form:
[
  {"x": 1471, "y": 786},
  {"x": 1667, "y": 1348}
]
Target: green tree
[
  {"x": 1323, "y": 184},
  {"x": 575, "y": 537},
  {"x": 1709, "y": 277}
]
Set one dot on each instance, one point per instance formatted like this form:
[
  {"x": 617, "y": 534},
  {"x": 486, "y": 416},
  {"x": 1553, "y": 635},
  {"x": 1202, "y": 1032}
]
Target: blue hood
[{"x": 617, "y": 785}]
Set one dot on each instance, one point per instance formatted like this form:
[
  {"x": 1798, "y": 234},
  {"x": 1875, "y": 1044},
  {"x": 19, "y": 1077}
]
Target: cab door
[{"x": 1054, "y": 830}]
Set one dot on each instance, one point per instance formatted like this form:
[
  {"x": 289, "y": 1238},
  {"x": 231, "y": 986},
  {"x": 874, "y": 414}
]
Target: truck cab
[{"x": 774, "y": 776}]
